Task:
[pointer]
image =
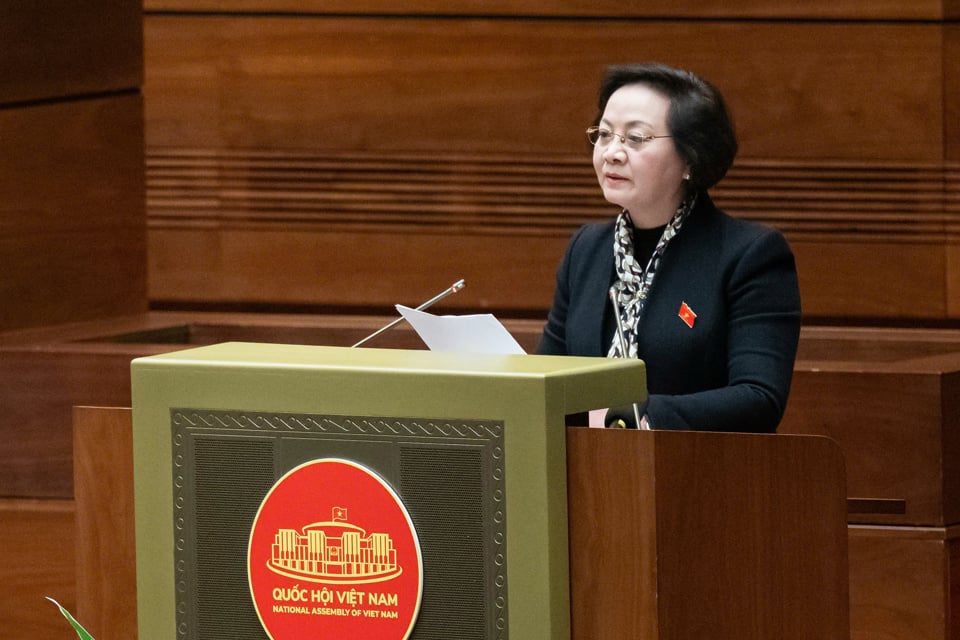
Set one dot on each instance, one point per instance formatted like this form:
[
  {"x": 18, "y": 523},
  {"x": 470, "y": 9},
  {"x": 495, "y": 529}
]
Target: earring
[{"x": 686, "y": 176}]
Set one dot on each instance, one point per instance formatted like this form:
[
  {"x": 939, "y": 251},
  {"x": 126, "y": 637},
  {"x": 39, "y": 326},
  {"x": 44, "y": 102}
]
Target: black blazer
[{"x": 731, "y": 370}]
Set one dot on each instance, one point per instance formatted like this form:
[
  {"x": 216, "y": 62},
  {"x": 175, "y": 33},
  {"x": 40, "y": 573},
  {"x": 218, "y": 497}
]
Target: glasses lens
[{"x": 600, "y": 136}]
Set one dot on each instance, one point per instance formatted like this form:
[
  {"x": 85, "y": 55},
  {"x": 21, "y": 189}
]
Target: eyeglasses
[{"x": 600, "y": 137}]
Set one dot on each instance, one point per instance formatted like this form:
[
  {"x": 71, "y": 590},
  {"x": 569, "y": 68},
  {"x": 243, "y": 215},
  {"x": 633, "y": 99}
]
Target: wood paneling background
[
  {"x": 72, "y": 247},
  {"x": 38, "y": 561},
  {"x": 742, "y": 9},
  {"x": 357, "y": 153},
  {"x": 56, "y": 49},
  {"x": 72, "y": 226},
  {"x": 72, "y": 222},
  {"x": 316, "y": 155}
]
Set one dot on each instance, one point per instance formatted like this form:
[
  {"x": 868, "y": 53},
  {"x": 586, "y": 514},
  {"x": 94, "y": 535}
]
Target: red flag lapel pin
[{"x": 687, "y": 315}]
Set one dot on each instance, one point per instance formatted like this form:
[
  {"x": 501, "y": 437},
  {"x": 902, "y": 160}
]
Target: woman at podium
[{"x": 710, "y": 302}]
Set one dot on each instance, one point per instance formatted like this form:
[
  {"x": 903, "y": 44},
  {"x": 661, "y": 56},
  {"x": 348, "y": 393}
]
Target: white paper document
[{"x": 481, "y": 333}]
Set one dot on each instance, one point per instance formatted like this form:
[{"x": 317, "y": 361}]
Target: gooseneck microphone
[
  {"x": 621, "y": 338},
  {"x": 456, "y": 286}
]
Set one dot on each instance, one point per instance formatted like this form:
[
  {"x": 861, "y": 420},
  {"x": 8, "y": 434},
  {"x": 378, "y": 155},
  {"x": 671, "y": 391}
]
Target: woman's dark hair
[{"x": 702, "y": 130}]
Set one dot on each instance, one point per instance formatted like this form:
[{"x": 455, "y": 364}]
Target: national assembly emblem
[{"x": 334, "y": 553}]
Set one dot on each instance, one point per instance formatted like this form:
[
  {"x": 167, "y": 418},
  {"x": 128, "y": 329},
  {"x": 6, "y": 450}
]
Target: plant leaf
[{"x": 73, "y": 622}]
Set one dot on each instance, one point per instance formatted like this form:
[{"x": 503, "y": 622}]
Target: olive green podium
[{"x": 576, "y": 533}]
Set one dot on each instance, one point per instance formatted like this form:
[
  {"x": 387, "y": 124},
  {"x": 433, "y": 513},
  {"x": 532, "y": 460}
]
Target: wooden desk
[
  {"x": 643, "y": 563},
  {"x": 891, "y": 399}
]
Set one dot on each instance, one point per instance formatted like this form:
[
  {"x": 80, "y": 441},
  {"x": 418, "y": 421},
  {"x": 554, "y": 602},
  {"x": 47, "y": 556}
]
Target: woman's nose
[{"x": 615, "y": 151}]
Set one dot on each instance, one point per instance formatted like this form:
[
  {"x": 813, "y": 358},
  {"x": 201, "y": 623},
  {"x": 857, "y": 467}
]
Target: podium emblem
[{"x": 334, "y": 553}]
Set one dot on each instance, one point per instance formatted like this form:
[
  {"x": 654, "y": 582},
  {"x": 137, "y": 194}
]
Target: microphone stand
[
  {"x": 621, "y": 338},
  {"x": 456, "y": 286}
]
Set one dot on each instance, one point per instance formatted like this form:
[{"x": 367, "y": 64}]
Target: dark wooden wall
[
  {"x": 351, "y": 154},
  {"x": 72, "y": 223},
  {"x": 72, "y": 247}
]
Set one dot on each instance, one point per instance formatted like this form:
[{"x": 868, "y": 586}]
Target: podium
[
  {"x": 677, "y": 535},
  {"x": 527, "y": 529}
]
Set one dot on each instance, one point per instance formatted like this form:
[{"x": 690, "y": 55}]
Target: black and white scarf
[{"x": 633, "y": 283}]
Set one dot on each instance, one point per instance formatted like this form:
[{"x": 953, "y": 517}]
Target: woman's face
[{"x": 646, "y": 181}]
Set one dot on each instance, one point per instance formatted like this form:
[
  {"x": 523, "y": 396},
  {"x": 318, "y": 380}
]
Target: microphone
[
  {"x": 456, "y": 286},
  {"x": 612, "y": 419}
]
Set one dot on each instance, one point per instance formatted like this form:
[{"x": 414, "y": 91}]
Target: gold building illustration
[{"x": 334, "y": 551}]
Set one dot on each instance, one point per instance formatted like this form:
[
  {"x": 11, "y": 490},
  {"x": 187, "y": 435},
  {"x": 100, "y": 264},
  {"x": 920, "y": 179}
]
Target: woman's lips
[{"x": 614, "y": 178}]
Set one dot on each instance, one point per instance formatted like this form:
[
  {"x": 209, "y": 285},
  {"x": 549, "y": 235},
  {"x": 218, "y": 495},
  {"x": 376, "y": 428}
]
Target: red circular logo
[{"x": 333, "y": 554}]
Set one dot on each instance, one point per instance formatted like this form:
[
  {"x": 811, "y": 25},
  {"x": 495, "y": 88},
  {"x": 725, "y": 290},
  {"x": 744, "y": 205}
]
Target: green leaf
[{"x": 73, "y": 622}]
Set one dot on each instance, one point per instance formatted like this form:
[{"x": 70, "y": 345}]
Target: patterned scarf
[{"x": 633, "y": 284}]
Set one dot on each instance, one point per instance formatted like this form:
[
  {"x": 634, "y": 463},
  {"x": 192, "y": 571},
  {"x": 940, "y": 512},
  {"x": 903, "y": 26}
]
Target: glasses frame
[{"x": 630, "y": 142}]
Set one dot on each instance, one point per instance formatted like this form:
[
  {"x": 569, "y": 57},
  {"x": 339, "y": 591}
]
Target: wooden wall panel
[
  {"x": 898, "y": 584},
  {"x": 37, "y": 561},
  {"x": 72, "y": 247},
  {"x": 891, "y": 399},
  {"x": 40, "y": 387},
  {"x": 951, "y": 94},
  {"x": 953, "y": 567},
  {"x": 400, "y": 130},
  {"x": 351, "y": 269},
  {"x": 72, "y": 218},
  {"x": 72, "y": 221},
  {"x": 798, "y": 90},
  {"x": 227, "y": 226},
  {"x": 951, "y": 456},
  {"x": 57, "y": 48},
  {"x": 106, "y": 547},
  {"x": 818, "y": 9},
  {"x": 887, "y": 462},
  {"x": 870, "y": 278}
]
